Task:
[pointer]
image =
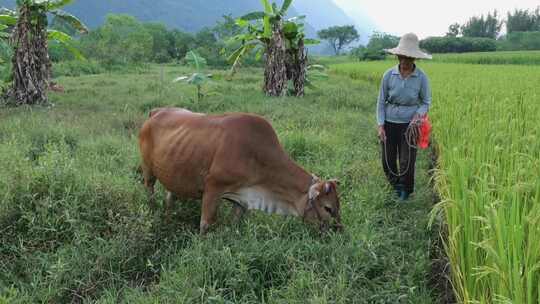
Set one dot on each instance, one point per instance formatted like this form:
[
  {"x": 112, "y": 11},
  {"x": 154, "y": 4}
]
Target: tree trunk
[
  {"x": 296, "y": 68},
  {"x": 275, "y": 73},
  {"x": 31, "y": 63}
]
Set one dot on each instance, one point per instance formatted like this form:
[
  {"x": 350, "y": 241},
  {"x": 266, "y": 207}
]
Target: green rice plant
[
  {"x": 512, "y": 57},
  {"x": 485, "y": 124}
]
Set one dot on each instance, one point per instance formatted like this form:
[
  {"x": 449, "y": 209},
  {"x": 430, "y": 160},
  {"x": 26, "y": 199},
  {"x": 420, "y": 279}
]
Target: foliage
[
  {"x": 381, "y": 41},
  {"x": 197, "y": 79},
  {"x": 453, "y": 30},
  {"x": 160, "y": 42},
  {"x": 281, "y": 41},
  {"x": 77, "y": 68},
  {"x": 523, "y": 21},
  {"x": 363, "y": 53},
  {"x": 339, "y": 36},
  {"x": 375, "y": 49},
  {"x": 458, "y": 44},
  {"x": 483, "y": 27},
  {"x": 30, "y": 63},
  {"x": 256, "y": 29},
  {"x": 121, "y": 40},
  {"x": 520, "y": 41}
]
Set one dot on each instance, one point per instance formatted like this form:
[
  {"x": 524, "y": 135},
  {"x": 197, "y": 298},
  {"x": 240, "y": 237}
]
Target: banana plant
[
  {"x": 198, "y": 78},
  {"x": 9, "y": 18},
  {"x": 257, "y": 28},
  {"x": 268, "y": 33},
  {"x": 31, "y": 67}
]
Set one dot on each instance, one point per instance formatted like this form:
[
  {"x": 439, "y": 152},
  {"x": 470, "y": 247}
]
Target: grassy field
[
  {"x": 485, "y": 122},
  {"x": 75, "y": 226}
]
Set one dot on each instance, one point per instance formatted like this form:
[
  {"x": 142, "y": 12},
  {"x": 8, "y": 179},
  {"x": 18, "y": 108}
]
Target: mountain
[
  {"x": 193, "y": 15},
  {"x": 322, "y": 14}
]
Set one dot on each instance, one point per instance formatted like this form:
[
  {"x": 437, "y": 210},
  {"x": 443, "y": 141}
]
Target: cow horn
[
  {"x": 313, "y": 192},
  {"x": 327, "y": 188},
  {"x": 335, "y": 181}
]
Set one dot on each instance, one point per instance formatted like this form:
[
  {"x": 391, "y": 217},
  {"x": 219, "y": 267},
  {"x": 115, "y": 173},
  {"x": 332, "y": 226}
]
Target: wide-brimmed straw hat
[{"x": 409, "y": 46}]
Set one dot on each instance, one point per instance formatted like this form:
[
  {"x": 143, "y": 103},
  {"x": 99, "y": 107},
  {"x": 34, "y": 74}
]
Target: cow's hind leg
[
  {"x": 210, "y": 204},
  {"x": 149, "y": 183},
  {"x": 169, "y": 201}
]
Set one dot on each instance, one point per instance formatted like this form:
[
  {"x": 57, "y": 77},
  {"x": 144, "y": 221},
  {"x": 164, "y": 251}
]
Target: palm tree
[{"x": 31, "y": 67}]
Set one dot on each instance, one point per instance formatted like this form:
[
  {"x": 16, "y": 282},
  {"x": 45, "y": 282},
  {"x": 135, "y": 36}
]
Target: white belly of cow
[{"x": 259, "y": 199}]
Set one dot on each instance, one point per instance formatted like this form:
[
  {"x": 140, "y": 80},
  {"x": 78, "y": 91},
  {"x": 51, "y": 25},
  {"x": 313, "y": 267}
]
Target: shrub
[
  {"x": 518, "y": 41},
  {"x": 458, "y": 44},
  {"x": 77, "y": 68}
]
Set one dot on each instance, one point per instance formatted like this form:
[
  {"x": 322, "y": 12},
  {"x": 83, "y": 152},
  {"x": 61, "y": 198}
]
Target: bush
[
  {"x": 518, "y": 41},
  {"x": 368, "y": 54},
  {"x": 77, "y": 68},
  {"x": 458, "y": 44}
]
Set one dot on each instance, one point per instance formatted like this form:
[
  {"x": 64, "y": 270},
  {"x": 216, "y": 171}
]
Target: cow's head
[{"x": 323, "y": 204}]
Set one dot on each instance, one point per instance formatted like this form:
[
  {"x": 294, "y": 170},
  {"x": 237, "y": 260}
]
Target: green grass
[
  {"x": 499, "y": 58},
  {"x": 75, "y": 225},
  {"x": 485, "y": 125}
]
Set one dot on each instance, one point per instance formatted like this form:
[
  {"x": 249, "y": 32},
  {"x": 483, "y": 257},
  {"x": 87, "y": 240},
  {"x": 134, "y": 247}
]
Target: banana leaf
[
  {"x": 65, "y": 40},
  {"x": 253, "y": 16},
  {"x": 70, "y": 20},
  {"x": 285, "y": 7},
  {"x": 196, "y": 61}
]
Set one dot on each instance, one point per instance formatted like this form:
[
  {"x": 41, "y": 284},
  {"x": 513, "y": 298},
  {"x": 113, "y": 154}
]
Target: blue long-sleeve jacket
[{"x": 400, "y": 99}]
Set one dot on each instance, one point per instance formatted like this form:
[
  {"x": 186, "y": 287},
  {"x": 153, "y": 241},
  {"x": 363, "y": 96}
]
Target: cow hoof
[{"x": 204, "y": 228}]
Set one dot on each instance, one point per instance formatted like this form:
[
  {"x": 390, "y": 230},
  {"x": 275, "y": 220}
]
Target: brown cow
[{"x": 236, "y": 157}]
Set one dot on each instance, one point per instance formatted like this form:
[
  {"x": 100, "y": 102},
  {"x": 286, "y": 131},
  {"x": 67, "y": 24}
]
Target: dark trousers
[{"x": 397, "y": 153}]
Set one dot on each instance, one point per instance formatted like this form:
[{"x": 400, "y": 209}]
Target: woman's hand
[
  {"x": 417, "y": 119},
  {"x": 381, "y": 133}
]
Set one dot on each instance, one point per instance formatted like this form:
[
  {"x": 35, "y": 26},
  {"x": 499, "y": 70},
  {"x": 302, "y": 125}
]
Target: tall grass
[
  {"x": 485, "y": 122},
  {"x": 500, "y": 58},
  {"x": 75, "y": 225}
]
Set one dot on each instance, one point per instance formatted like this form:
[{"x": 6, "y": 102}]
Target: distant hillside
[
  {"x": 325, "y": 13},
  {"x": 193, "y": 15}
]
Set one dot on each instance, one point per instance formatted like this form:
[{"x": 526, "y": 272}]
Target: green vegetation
[
  {"x": 458, "y": 44},
  {"x": 488, "y": 162},
  {"x": 76, "y": 226},
  {"x": 516, "y": 41},
  {"x": 28, "y": 40},
  {"x": 282, "y": 43},
  {"x": 198, "y": 78},
  {"x": 375, "y": 49},
  {"x": 339, "y": 36},
  {"x": 501, "y": 58},
  {"x": 523, "y": 21}
]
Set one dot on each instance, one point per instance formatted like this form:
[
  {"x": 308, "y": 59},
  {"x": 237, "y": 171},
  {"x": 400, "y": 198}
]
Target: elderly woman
[{"x": 405, "y": 97}]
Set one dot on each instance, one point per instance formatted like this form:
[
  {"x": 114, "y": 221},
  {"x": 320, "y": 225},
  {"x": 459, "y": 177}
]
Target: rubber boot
[
  {"x": 398, "y": 188},
  {"x": 404, "y": 195}
]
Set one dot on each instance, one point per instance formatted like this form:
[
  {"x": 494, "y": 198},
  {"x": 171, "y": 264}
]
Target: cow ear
[{"x": 313, "y": 192}]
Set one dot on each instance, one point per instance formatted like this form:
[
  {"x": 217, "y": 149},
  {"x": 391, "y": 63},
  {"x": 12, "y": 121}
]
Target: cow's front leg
[{"x": 210, "y": 206}]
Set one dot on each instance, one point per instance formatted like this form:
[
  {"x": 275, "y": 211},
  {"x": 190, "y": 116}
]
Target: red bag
[{"x": 425, "y": 132}]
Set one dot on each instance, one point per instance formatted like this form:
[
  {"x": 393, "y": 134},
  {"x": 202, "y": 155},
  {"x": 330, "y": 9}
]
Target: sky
[{"x": 426, "y": 17}]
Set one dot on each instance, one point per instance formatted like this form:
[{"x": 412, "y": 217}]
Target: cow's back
[
  {"x": 176, "y": 146},
  {"x": 182, "y": 148}
]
